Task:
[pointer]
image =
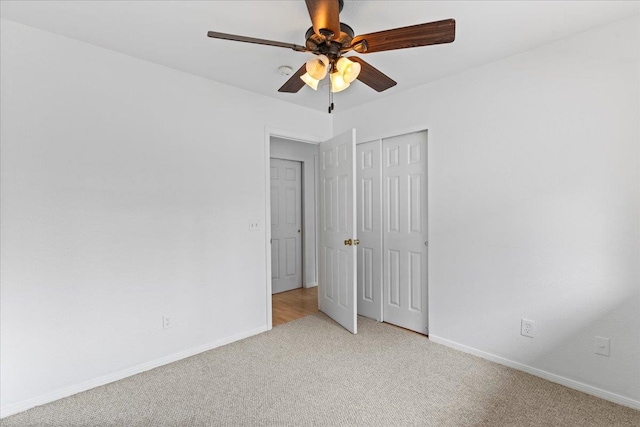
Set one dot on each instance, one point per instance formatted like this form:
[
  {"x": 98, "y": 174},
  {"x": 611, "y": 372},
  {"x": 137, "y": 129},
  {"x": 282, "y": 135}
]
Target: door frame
[{"x": 296, "y": 137}]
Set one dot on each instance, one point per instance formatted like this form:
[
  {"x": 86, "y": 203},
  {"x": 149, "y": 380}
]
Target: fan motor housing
[{"x": 319, "y": 45}]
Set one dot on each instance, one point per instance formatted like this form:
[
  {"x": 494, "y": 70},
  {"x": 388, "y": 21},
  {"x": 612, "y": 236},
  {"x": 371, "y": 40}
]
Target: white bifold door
[
  {"x": 369, "y": 208},
  {"x": 286, "y": 225},
  {"x": 404, "y": 195},
  {"x": 392, "y": 224},
  {"x": 337, "y": 241}
]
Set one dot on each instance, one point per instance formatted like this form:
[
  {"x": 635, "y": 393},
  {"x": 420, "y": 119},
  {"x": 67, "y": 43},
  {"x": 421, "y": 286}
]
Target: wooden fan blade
[
  {"x": 295, "y": 83},
  {"x": 401, "y": 38},
  {"x": 373, "y": 77},
  {"x": 325, "y": 16},
  {"x": 224, "y": 36}
]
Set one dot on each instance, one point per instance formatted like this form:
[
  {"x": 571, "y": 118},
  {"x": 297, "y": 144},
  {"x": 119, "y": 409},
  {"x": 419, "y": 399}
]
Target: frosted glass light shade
[
  {"x": 310, "y": 81},
  {"x": 317, "y": 67},
  {"x": 337, "y": 82},
  {"x": 349, "y": 70}
]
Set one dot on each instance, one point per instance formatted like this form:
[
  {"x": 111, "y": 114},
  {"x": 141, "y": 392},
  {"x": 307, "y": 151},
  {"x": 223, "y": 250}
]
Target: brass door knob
[
  {"x": 348, "y": 242},
  {"x": 356, "y": 242}
]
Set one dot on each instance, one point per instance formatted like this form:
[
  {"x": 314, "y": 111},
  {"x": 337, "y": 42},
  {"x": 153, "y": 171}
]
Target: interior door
[
  {"x": 286, "y": 225},
  {"x": 336, "y": 238},
  {"x": 369, "y": 209},
  {"x": 404, "y": 174}
]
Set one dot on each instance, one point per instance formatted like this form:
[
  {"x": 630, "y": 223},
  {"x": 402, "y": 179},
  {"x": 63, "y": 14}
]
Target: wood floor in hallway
[{"x": 291, "y": 305}]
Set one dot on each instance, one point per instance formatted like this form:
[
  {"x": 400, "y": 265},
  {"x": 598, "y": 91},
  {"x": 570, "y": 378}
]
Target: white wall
[
  {"x": 127, "y": 190},
  {"x": 534, "y": 204},
  {"x": 305, "y": 153}
]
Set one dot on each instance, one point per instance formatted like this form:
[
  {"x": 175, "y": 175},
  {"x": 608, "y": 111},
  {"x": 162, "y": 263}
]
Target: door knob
[
  {"x": 348, "y": 242},
  {"x": 356, "y": 242}
]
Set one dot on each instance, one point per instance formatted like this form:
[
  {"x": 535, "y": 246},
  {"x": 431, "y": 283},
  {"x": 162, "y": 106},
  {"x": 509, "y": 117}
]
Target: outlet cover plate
[
  {"x": 602, "y": 346},
  {"x": 254, "y": 225},
  {"x": 527, "y": 328}
]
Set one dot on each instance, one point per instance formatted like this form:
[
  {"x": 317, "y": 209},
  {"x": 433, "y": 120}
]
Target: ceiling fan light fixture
[
  {"x": 337, "y": 82},
  {"x": 317, "y": 67},
  {"x": 328, "y": 39},
  {"x": 348, "y": 69},
  {"x": 310, "y": 81}
]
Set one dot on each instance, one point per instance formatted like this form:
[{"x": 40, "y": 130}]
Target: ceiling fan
[{"x": 329, "y": 39}]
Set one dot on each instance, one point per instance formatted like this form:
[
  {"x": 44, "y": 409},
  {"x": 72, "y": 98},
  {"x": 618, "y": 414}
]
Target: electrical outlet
[
  {"x": 166, "y": 322},
  {"x": 254, "y": 225},
  {"x": 602, "y": 346},
  {"x": 527, "y": 328}
]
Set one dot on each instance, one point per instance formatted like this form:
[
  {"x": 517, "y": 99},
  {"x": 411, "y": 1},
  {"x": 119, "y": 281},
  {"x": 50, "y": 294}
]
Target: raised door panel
[
  {"x": 392, "y": 202},
  {"x": 365, "y": 277},
  {"x": 291, "y": 204},
  {"x": 392, "y": 270},
  {"x": 327, "y": 207},
  {"x": 275, "y": 206},
  {"x": 291, "y": 261}
]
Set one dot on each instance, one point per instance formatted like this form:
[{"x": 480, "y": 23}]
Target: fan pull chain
[{"x": 330, "y": 100}]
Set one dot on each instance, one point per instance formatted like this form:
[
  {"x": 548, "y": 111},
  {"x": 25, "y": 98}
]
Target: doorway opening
[
  {"x": 294, "y": 304},
  {"x": 292, "y": 213},
  {"x": 353, "y": 184},
  {"x": 286, "y": 225}
]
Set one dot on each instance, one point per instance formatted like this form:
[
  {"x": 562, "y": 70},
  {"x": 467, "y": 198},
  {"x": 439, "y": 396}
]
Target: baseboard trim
[
  {"x": 106, "y": 379},
  {"x": 310, "y": 285},
  {"x": 576, "y": 385}
]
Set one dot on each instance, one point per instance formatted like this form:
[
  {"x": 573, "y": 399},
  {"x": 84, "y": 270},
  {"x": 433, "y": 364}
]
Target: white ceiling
[{"x": 173, "y": 33}]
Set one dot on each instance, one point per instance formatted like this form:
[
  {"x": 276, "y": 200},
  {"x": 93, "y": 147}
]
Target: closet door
[
  {"x": 369, "y": 208},
  {"x": 404, "y": 172}
]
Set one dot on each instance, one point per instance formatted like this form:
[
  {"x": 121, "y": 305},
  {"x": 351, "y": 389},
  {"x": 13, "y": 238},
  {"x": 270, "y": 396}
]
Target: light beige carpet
[{"x": 312, "y": 372}]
